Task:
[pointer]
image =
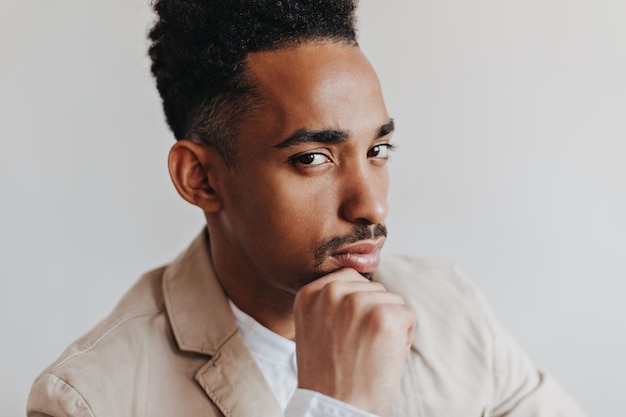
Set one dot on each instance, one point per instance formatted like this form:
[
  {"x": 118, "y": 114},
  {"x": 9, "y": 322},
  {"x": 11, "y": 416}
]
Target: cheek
[
  {"x": 302, "y": 207},
  {"x": 283, "y": 208},
  {"x": 385, "y": 181}
]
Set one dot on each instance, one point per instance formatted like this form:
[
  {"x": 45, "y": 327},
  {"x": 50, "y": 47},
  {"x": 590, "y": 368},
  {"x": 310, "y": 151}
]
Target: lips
[{"x": 363, "y": 256}]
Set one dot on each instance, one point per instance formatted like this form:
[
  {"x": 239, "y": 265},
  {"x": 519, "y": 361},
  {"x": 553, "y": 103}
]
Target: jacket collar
[
  {"x": 195, "y": 301},
  {"x": 202, "y": 322}
]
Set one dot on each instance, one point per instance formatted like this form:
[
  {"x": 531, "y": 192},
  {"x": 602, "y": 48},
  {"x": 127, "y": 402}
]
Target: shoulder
[
  {"x": 139, "y": 306},
  {"x": 438, "y": 290},
  {"x": 454, "y": 322},
  {"x": 94, "y": 365},
  {"x": 453, "y": 341},
  {"x": 434, "y": 282}
]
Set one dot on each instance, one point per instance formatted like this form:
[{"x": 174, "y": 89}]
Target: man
[{"x": 284, "y": 303}]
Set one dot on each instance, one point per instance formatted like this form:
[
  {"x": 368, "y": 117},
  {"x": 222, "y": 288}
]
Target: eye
[
  {"x": 380, "y": 151},
  {"x": 312, "y": 158}
]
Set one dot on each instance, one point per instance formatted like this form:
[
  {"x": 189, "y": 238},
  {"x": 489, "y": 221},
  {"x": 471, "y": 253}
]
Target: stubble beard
[{"x": 332, "y": 245}]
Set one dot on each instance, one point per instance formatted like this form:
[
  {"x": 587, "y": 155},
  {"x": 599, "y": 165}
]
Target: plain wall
[{"x": 511, "y": 130}]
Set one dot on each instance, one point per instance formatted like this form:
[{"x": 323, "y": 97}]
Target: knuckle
[
  {"x": 302, "y": 296},
  {"x": 332, "y": 291},
  {"x": 392, "y": 320},
  {"x": 407, "y": 317},
  {"x": 412, "y": 316},
  {"x": 380, "y": 318},
  {"x": 353, "y": 302}
]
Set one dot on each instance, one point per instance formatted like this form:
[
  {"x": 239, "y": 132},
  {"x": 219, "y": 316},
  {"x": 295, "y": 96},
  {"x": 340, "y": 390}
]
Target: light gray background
[{"x": 511, "y": 127}]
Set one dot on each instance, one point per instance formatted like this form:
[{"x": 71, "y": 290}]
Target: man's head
[
  {"x": 306, "y": 194},
  {"x": 199, "y": 49}
]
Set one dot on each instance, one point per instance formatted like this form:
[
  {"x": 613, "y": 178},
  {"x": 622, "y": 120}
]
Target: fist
[{"x": 352, "y": 338}]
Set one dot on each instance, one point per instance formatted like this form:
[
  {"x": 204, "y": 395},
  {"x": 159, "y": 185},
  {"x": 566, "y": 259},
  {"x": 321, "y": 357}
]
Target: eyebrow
[
  {"x": 305, "y": 135},
  {"x": 386, "y": 129}
]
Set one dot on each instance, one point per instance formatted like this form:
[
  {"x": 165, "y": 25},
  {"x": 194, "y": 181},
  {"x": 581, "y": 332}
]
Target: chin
[{"x": 297, "y": 283}]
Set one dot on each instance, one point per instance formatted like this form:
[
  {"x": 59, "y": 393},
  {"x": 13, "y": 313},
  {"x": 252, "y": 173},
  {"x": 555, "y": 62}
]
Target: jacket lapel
[
  {"x": 235, "y": 383},
  {"x": 202, "y": 322}
]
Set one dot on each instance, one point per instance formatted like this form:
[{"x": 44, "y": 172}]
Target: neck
[{"x": 252, "y": 292}]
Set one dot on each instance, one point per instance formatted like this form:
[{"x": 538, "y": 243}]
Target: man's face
[{"x": 307, "y": 194}]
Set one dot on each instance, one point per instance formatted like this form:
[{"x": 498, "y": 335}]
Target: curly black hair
[{"x": 198, "y": 56}]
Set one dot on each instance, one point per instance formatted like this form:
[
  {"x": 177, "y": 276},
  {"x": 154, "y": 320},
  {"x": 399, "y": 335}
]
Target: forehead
[
  {"x": 316, "y": 85},
  {"x": 309, "y": 64}
]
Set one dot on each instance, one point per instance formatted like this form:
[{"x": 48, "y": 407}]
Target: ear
[{"x": 191, "y": 167}]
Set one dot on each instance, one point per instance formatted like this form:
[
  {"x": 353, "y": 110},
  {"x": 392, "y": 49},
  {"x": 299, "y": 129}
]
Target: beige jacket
[{"x": 171, "y": 347}]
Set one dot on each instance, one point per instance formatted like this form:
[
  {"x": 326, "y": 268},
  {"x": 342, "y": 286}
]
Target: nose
[{"x": 364, "y": 194}]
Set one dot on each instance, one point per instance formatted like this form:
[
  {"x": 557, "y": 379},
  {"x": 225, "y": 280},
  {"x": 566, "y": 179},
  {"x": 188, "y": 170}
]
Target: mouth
[{"x": 362, "y": 256}]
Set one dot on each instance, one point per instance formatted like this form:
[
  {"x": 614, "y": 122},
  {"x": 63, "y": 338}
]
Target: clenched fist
[{"x": 352, "y": 338}]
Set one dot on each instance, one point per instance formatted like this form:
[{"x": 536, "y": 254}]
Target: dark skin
[{"x": 293, "y": 223}]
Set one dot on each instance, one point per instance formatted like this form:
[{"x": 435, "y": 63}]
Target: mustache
[{"x": 360, "y": 232}]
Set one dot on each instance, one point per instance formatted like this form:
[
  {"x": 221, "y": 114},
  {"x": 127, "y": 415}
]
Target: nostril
[{"x": 362, "y": 222}]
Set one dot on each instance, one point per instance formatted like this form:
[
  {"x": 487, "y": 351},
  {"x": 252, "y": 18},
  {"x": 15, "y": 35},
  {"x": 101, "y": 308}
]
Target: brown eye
[
  {"x": 380, "y": 151},
  {"x": 374, "y": 151},
  {"x": 307, "y": 159},
  {"x": 311, "y": 158}
]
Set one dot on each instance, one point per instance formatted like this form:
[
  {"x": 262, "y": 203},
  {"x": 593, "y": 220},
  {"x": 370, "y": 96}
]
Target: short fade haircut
[{"x": 198, "y": 56}]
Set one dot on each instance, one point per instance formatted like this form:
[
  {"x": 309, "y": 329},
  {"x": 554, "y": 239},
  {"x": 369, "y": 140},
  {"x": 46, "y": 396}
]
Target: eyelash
[
  {"x": 297, "y": 160},
  {"x": 389, "y": 147}
]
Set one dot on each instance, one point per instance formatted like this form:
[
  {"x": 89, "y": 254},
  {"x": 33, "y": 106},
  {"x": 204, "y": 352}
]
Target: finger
[
  {"x": 395, "y": 320},
  {"x": 362, "y": 300},
  {"x": 333, "y": 292},
  {"x": 343, "y": 274}
]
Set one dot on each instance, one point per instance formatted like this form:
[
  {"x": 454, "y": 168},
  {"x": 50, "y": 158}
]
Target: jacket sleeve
[
  {"x": 51, "y": 396},
  {"x": 520, "y": 389}
]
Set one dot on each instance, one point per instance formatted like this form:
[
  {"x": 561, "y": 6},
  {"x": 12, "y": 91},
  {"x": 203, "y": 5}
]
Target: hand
[{"x": 352, "y": 338}]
